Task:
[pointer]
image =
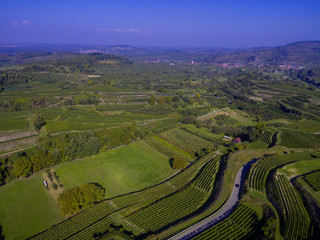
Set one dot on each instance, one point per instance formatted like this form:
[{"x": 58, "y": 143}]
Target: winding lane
[{"x": 218, "y": 215}]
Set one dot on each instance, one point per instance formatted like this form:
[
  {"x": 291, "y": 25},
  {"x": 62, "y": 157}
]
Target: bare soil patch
[
  {"x": 18, "y": 144},
  {"x": 12, "y": 136}
]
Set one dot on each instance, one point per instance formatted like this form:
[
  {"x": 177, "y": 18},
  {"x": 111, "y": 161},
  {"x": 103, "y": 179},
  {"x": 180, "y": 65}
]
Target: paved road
[{"x": 217, "y": 216}]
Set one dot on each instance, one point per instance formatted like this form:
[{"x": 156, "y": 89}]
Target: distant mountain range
[{"x": 298, "y": 53}]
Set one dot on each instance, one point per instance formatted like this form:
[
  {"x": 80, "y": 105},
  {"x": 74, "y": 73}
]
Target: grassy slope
[
  {"x": 120, "y": 170},
  {"x": 26, "y": 208},
  {"x": 300, "y": 167}
]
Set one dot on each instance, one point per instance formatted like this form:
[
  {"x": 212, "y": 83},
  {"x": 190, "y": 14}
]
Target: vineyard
[
  {"x": 178, "y": 205},
  {"x": 296, "y": 216},
  {"x": 238, "y": 225},
  {"x": 260, "y": 171},
  {"x": 313, "y": 179},
  {"x": 168, "y": 209},
  {"x": 293, "y": 139},
  {"x": 207, "y": 176},
  {"x": 205, "y": 136},
  {"x": 165, "y": 147},
  {"x": 161, "y": 201},
  {"x": 186, "y": 140},
  {"x": 83, "y": 220},
  {"x": 267, "y": 137}
]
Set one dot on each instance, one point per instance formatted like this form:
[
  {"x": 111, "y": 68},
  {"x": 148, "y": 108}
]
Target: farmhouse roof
[{"x": 237, "y": 140}]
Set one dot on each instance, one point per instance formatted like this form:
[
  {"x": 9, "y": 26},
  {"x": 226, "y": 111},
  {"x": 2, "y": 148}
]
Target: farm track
[
  {"x": 214, "y": 111},
  {"x": 10, "y": 153},
  {"x": 16, "y": 136},
  {"x": 55, "y": 104}
]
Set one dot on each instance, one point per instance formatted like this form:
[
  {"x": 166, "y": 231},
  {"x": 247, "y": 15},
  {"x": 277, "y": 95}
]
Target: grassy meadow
[
  {"x": 26, "y": 208},
  {"x": 119, "y": 171}
]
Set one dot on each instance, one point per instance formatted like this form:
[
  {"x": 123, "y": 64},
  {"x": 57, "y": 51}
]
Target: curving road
[{"x": 218, "y": 215}]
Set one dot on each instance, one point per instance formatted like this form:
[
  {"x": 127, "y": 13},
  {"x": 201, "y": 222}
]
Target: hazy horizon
[{"x": 227, "y": 24}]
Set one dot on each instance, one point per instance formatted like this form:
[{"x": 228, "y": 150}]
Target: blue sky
[{"x": 174, "y": 23}]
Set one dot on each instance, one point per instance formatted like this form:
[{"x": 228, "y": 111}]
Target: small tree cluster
[
  {"x": 79, "y": 198},
  {"x": 178, "y": 162},
  {"x": 38, "y": 122}
]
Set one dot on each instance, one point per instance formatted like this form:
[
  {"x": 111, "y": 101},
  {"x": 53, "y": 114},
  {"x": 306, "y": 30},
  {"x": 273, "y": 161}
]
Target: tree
[
  {"x": 261, "y": 126},
  {"x": 163, "y": 90},
  {"x": 198, "y": 96},
  {"x": 152, "y": 100},
  {"x": 3, "y": 175},
  {"x": 168, "y": 99},
  {"x": 178, "y": 162},
  {"x": 1, "y": 236},
  {"x": 253, "y": 134},
  {"x": 38, "y": 122},
  {"x": 189, "y": 119},
  {"x": 79, "y": 198},
  {"x": 161, "y": 100},
  {"x": 22, "y": 167},
  {"x": 175, "y": 99}
]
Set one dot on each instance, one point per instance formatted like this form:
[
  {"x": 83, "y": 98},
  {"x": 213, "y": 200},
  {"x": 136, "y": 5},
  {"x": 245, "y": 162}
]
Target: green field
[
  {"x": 86, "y": 117},
  {"x": 14, "y": 121},
  {"x": 26, "y": 208},
  {"x": 308, "y": 126},
  {"x": 119, "y": 171},
  {"x": 300, "y": 167}
]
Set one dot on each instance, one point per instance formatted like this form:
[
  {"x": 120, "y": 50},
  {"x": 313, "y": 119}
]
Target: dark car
[{"x": 237, "y": 185}]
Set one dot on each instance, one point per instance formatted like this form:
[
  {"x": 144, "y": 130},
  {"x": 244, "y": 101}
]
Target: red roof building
[{"x": 237, "y": 140}]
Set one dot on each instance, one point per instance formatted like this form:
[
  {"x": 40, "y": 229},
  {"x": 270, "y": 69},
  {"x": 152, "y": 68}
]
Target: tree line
[
  {"x": 79, "y": 64},
  {"x": 53, "y": 150}
]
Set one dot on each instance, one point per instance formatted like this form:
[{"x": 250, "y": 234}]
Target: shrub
[
  {"x": 50, "y": 176},
  {"x": 178, "y": 162},
  {"x": 54, "y": 186}
]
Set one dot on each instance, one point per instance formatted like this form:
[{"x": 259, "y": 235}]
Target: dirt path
[
  {"x": 10, "y": 153},
  {"x": 55, "y": 104},
  {"x": 209, "y": 115}
]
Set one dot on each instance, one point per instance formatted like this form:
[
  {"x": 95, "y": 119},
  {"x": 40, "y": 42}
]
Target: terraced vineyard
[
  {"x": 178, "y": 192},
  {"x": 186, "y": 140},
  {"x": 296, "y": 216},
  {"x": 238, "y": 225},
  {"x": 83, "y": 220},
  {"x": 260, "y": 171},
  {"x": 178, "y": 205},
  {"x": 207, "y": 176},
  {"x": 165, "y": 147},
  {"x": 313, "y": 179},
  {"x": 293, "y": 139},
  {"x": 202, "y": 135},
  {"x": 168, "y": 210},
  {"x": 267, "y": 137}
]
